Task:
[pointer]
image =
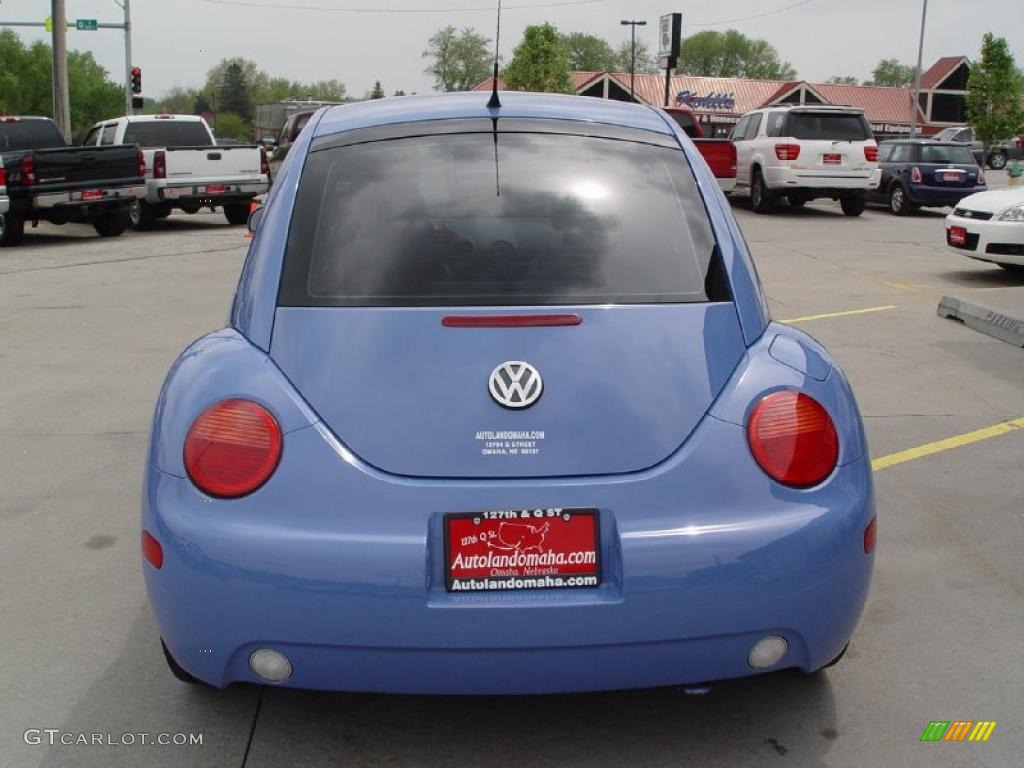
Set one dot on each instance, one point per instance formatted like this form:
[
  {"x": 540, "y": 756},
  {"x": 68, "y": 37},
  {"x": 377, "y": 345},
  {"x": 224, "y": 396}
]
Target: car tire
[
  {"x": 190, "y": 209},
  {"x": 112, "y": 224},
  {"x": 997, "y": 161},
  {"x": 163, "y": 211},
  {"x": 837, "y": 659},
  {"x": 1011, "y": 267},
  {"x": 237, "y": 213},
  {"x": 795, "y": 201},
  {"x": 760, "y": 198},
  {"x": 177, "y": 670},
  {"x": 12, "y": 230},
  {"x": 142, "y": 215},
  {"x": 899, "y": 201},
  {"x": 853, "y": 203}
]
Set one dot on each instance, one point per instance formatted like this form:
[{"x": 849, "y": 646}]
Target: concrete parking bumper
[{"x": 1001, "y": 316}]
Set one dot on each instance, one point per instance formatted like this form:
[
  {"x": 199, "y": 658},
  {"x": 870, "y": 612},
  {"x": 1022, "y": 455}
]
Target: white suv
[{"x": 805, "y": 152}]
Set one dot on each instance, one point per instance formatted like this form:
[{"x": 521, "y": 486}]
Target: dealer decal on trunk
[{"x": 510, "y": 442}]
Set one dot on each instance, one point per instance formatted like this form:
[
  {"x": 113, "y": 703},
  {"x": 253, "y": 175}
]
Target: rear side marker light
[
  {"x": 264, "y": 162},
  {"x": 871, "y": 154},
  {"x": 871, "y": 536},
  {"x": 793, "y": 439},
  {"x": 152, "y": 550},
  {"x": 508, "y": 321},
  {"x": 915, "y": 175},
  {"x": 232, "y": 448},
  {"x": 787, "y": 151}
]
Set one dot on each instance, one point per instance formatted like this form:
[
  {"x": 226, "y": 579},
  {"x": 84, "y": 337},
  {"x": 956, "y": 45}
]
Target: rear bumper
[
  {"x": 700, "y": 558},
  {"x": 820, "y": 183},
  {"x": 107, "y": 195},
  {"x": 193, "y": 193},
  {"x": 921, "y": 194}
]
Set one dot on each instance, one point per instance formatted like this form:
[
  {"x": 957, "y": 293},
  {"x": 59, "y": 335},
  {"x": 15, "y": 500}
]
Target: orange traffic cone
[{"x": 253, "y": 207}]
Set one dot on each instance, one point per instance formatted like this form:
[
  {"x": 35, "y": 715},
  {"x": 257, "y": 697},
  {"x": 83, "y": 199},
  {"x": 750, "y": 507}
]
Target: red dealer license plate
[
  {"x": 92, "y": 194},
  {"x": 833, "y": 159},
  {"x": 957, "y": 236},
  {"x": 951, "y": 176},
  {"x": 522, "y": 549},
  {"x": 215, "y": 189}
]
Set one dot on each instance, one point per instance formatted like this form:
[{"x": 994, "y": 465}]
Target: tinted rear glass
[
  {"x": 466, "y": 219},
  {"x": 685, "y": 122},
  {"x": 167, "y": 133},
  {"x": 29, "y": 134},
  {"x": 828, "y": 126},
  {"x": 958, "y": 155}
]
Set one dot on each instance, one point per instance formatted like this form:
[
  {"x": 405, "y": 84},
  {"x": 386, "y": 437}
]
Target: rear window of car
[
  {"x": 167, "y": 133},
  {"x": 477, "y": 219},
  {"x": 940, "y": 154},
  {"x": 684, "y": 121},
  {"x": 830, "y": 126},
  {"x": 29, "y": 134}
]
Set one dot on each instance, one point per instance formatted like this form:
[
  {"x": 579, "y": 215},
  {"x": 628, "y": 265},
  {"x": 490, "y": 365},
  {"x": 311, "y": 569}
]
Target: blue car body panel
[{"x": 337, "y": 560}]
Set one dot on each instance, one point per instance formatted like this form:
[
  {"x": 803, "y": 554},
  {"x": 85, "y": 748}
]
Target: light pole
[
  {"x": 633, "y": 24},
  {"x": 917, "y": 75}
]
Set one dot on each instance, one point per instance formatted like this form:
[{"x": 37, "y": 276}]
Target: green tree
[
  {"x": 843, "y": 80},
  {"x": 994, "y": 91},
  {"x": 540, "y": 62},
  {"x": 235, "y": 93},
  {"x": 232, "y": 126},
  {"x": 645, "y": 63},
  {"x": 177, "y": 101},
  {"x": 377, "y": 92},
  {"x": 732, "y": 54},
  {"x": 589, "y": 53},
  {"x": 891, "y": 72},
  {"x": 399, "y": 92},
  {"x": 459, "y": 60}
]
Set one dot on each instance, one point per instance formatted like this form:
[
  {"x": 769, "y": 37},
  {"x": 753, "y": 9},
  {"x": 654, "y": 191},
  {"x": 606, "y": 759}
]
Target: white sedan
[{"x": 990, "y": 226}]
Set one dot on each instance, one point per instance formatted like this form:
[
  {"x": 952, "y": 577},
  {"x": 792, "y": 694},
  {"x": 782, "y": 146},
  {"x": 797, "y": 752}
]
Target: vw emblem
[{"x": 515, "y": 384}]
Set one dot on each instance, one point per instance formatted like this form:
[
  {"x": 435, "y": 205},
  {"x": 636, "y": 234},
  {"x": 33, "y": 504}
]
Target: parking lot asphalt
[{"x": 88, "y": 328}]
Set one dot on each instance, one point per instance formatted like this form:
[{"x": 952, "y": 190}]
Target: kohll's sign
[{"x": 718, "y": 101}]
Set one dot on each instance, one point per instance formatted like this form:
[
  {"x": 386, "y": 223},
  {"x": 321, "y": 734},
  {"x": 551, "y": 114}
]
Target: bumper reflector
[
  {"x": 270, "y": 665},
  {"x": 152, "y": 550},
  {"x": 870, "y": 536},
  {"x": 767, "y": 652}
]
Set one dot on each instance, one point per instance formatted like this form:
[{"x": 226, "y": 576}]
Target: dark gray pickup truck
[
  {"x": 47, "y": 180},
  {"x": 998, "y": 154}
]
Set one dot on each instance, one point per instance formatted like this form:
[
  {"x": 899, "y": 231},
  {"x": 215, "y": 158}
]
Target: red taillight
[
  {"x": 871, "y": 154},
  {"x": 28, "y": 171},
  {"x": 508, "y": 321},
  {"x": 915, "y": 174},
  {"x": 232, "y": 448},
  {"x": 159, "y": 165},
  {"x": 264, "y": 162},
  {"x": 787, "y": 151},
  {"x": 981, "y": 176},
  {"x": 152, "y": 550},
  {"x": 870, "y": 536},
  {"x": 793, "y": 439},
  {"x": 3, "y": 176},
  {"x": 140, "y": 160}
]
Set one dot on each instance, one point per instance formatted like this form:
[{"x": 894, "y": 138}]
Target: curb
[{"x": 984, "y": 320}]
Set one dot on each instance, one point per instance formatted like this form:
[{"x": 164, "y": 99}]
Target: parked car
[
  {"x": 46, "y": 180},
  {"x": 186, "y": 168},
  {"x": 290, "y": 131},
  {"x": 989, "y": 226},
  {"x": 804, "y": 153},
  {"x": 500, "y": 409},
  {"x": 720, "y": 154},
  {"x": 919, "y": 172},
  {"x": 998, "y": 154}
]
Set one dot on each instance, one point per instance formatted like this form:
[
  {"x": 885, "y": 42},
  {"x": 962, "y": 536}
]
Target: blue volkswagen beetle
[{"x": 501, "y": 409}]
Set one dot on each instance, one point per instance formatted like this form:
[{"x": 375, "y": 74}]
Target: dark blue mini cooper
[{"x": 919, "y": 172}]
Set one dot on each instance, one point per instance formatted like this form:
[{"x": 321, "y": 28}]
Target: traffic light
[{"x": 136, "y": 80}]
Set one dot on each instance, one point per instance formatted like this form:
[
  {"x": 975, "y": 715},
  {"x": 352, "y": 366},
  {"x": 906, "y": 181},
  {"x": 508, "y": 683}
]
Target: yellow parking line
[
  {"x": 847, "y": 313},
  {"x": 944, "y": 445}
]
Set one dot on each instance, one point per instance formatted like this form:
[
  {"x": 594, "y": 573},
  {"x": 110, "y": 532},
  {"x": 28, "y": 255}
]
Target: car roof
[
  {"x": 151, "y": 118},
  {"x": 376, "y": 113},
  {"x": 923, "y": 142}
]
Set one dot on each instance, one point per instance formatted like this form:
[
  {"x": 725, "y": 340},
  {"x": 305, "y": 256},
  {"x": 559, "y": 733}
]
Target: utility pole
[
  {"x": 127, "y": 57},
  {"x": 61, "y": 103},
  {"x": 917, "y": 75},
  {"x": 632, "y": 58}
]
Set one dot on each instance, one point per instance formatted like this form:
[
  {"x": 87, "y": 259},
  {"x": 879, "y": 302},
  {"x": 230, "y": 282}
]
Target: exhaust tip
[{"x": 270, "y": 665}]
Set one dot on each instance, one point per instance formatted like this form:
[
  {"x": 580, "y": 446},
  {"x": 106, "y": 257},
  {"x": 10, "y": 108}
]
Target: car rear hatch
[
  {"x": 417, "y": 268},
  {"x": 831, "y": 142},
  {"x": 945, "y": 165}
]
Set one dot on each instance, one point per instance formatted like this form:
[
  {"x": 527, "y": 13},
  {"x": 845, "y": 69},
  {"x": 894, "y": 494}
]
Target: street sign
[
  {"x": 668, "y": 35},
  {"x": 86, "y": 25}
]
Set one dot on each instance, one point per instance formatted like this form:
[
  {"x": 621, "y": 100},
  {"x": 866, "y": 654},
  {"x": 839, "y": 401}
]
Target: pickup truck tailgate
[
  {"x": 220, "y": 163},
  {"x": 70, "y": 167}
]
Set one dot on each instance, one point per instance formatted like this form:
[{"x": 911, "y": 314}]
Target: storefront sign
[{"x": 721, "y": 102}]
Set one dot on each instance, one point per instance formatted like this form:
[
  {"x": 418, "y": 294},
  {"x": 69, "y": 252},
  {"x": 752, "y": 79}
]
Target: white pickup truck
[{"x": 186, "y": 168}]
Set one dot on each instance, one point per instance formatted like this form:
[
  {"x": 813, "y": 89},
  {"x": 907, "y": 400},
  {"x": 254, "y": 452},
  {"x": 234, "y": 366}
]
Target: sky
[{"x": 177, "y": 41}]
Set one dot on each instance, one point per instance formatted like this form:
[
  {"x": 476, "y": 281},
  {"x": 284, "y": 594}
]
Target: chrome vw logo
[{"x": 515, "y": 384}]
